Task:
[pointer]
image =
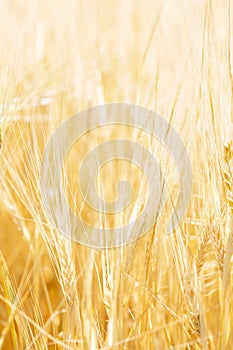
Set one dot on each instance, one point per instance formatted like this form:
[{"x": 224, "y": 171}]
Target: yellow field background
[{"x": 58, "y": 58}]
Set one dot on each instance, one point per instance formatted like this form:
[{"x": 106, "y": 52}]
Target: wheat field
[{"x": 58, "y": 58}]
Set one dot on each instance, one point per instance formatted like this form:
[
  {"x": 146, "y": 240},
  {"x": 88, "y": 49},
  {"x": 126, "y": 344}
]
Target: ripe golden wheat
[{"x": 161, "y": 292}]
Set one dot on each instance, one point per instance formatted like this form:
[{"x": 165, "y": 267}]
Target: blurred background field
[{"x": 162, "y": 292}]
